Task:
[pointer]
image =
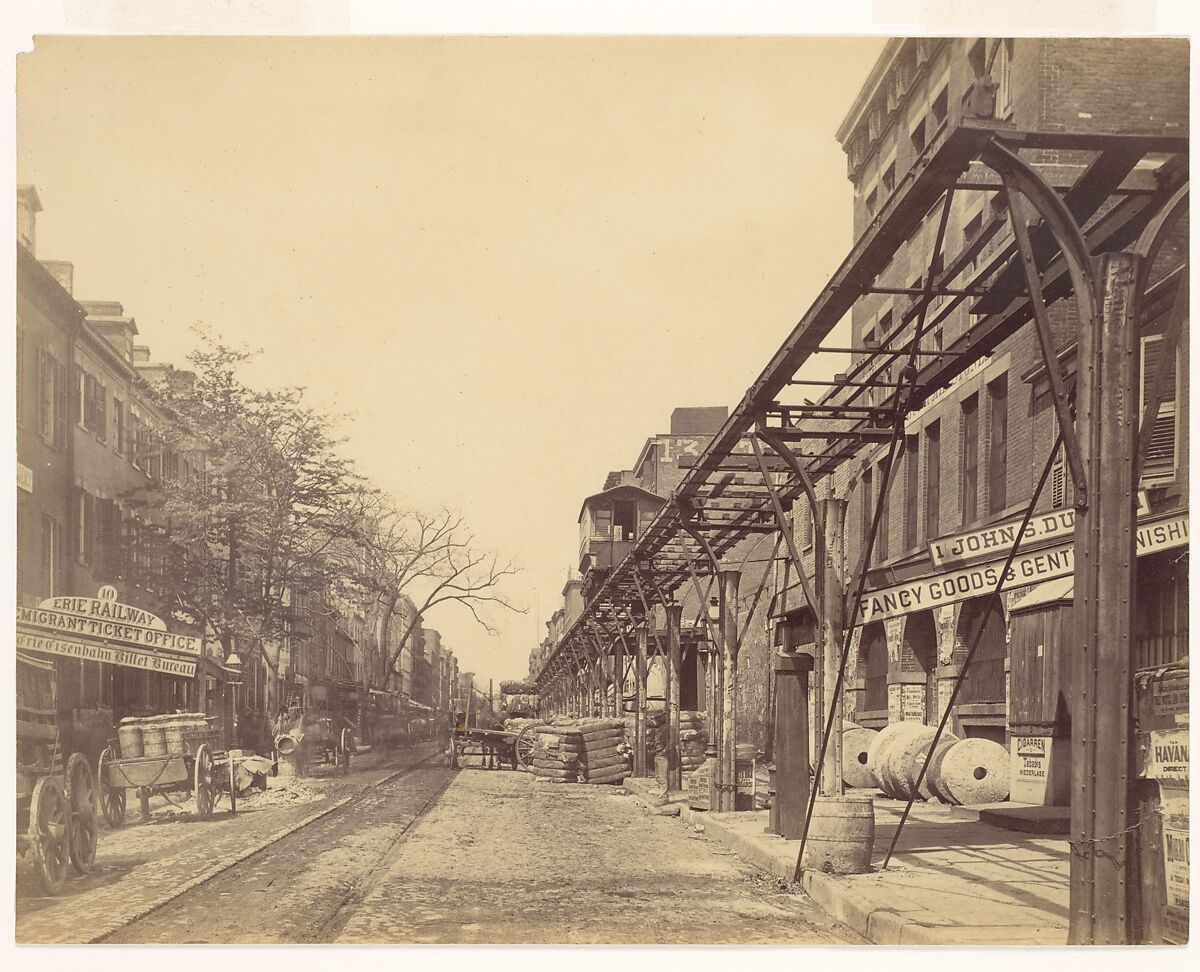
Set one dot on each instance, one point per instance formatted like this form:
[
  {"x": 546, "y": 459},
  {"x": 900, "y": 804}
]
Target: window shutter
[
  {"x": 43, "y": 407},
  {"x": 62, "y": 405},
  {"x": 101, "y": 412},
  {"x": 1058, "y": 480},
  {"x": 1161, "y": 455}
]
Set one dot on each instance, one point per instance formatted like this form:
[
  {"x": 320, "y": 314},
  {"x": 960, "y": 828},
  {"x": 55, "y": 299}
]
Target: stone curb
[
  {"x": 226, "y": 863},
  {"x": 877, "y": 923}
]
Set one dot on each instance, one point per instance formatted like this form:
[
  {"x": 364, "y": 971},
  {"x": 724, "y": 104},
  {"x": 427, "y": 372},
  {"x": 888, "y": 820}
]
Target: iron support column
[
  {"x": 1105, "y": 542},
  {"x": 730, "y": 580},
  {"x": 639, "y": 737},
  {"x": 674, "y": 770},
  {"x": 830, "y": 602}
]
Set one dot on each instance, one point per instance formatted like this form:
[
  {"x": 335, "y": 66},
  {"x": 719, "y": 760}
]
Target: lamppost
[{"x": 233, "y": 678}]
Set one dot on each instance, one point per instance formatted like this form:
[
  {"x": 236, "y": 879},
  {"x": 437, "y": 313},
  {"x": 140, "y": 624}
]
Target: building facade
[{"x": 972, "y": 456}]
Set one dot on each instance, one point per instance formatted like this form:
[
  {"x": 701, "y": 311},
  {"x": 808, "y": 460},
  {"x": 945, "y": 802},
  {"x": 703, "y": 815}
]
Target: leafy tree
[{"x": 260, "y": 521}]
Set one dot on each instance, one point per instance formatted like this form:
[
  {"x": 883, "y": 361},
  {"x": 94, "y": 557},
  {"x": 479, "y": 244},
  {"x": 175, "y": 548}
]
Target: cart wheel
[
  {"x": 345, "y": 744},
  {"x": 204, "y": 785},
  {"x": 81, "y": 800},
  {"x": 49, "y": 823},
  {"x": 526, "y": 741},
  {"x": 112, "y": 798}
]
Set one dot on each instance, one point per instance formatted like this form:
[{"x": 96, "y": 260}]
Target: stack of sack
[
  {"x": 693, "y": 738},
  {"x": 605, "y": 751},
  {"x": 558, "y": 753},
  {"x": 518, "y": 687},
  {"x": 961, "y": 771},
  {"x": 521, "y": 704}
]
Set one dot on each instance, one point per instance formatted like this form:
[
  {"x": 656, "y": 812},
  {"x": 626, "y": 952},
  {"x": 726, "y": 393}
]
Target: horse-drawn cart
[
  {"x": 493, "y": 746},
  {"x": 56, "y": 806},
  {"x": 315, "y": 737},
  {"x": 165, "y": 754}
]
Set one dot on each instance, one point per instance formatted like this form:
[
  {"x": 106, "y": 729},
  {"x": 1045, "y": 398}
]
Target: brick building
[{"x": 972, "y": 455}]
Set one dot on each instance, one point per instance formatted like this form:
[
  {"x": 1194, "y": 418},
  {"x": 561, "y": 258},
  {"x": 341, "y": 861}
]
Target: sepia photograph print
[{"x": 641, "y": 490}]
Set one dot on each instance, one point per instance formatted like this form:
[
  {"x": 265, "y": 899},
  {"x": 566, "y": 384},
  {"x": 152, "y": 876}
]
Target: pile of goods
[
  {"x": 558, "y": 753},
  {"x": 693, "y": 738},
  {"x": 605, "y": 751},
  {"x": 581, "y": 751},
  {"x": 961, "y": 771},
  {"x": 519, "y": 698}
]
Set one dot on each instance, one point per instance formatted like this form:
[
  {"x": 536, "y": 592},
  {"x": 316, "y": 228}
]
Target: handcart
[{"x": 56, "y": 806}]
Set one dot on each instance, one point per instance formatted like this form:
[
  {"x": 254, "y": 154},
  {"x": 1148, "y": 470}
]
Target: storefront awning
[{"x": 1060, "y": 591}]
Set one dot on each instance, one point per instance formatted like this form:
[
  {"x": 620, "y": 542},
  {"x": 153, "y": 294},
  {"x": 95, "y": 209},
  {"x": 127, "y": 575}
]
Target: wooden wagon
[
  {"x": 309, "y": 738},
  {"x": 493, "y": 746},
  {"x": 56, "y": 802},
  {"x": 193, "y": 763}
]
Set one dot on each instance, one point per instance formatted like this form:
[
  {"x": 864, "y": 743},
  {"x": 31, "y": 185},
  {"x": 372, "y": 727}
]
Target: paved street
[
  {"x": 499, "y": 859},
  {"x": 416, "y": 852},
  {"x": 141, "y": 865}
]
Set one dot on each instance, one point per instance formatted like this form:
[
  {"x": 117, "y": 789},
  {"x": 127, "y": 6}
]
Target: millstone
[
  {"x": 914, "y": 759},
  {"x": 894, "y": 760},
  {"x": 927, "y": 791},
  {"x": 876, "y": 748},
  {"x": 856, "y": 743},
  {"x": 975, "y": 771}
]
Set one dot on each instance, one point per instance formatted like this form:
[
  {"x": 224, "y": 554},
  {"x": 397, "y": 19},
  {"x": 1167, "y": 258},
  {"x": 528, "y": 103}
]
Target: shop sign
[
  {"x": 98, "y": 651},
  {"x": 982, "y": 579},
  {"x": 999, "y": 538},
  {"x": 105, "y": 618},
  {"x": 1167, "y": 756},
  {"x": 24, "y": 478},
  {"x": 1176, "y": 862}
]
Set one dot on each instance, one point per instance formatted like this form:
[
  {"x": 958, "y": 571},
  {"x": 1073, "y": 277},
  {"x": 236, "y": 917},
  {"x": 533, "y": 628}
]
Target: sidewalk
[
  {"x": 951, "y": 881},
  {"x": 141, "y": 867}
]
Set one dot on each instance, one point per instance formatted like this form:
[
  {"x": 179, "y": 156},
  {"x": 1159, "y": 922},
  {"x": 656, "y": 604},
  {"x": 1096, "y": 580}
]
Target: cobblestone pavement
[
  {"x": 301, "y": 888},
  {"x": 501, "y": 859},
  {"x": 140, "y": 866}
]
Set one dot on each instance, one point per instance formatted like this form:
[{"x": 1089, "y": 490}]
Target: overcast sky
[{"x": 506, "y": 259}]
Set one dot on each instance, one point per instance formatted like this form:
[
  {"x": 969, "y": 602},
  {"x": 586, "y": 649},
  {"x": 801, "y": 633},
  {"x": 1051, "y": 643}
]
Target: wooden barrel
[
  {"x": 841, "y": 835},
  {"x": 129, "y": 738},
  {"x": 154, "y": 740}
]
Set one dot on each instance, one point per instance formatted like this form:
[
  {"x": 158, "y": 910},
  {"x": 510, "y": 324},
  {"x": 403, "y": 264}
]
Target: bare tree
[{"x": 432, "y": 559}]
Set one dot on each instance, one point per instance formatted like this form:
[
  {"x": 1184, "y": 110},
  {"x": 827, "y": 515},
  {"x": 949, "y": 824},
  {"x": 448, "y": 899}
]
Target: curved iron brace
[{"x": 1022, "y": 182}]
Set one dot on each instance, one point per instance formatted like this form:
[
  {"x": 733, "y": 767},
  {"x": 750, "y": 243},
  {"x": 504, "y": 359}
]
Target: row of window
[{"x": 1159, "y": 468}]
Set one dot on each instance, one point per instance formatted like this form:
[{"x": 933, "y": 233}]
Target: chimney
[
  {"x": 63, "y": 272},
  {"x": 698, "y": 421},
  {"x": 28, "y": 206},
  {"x": 107, "y": 318}
]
